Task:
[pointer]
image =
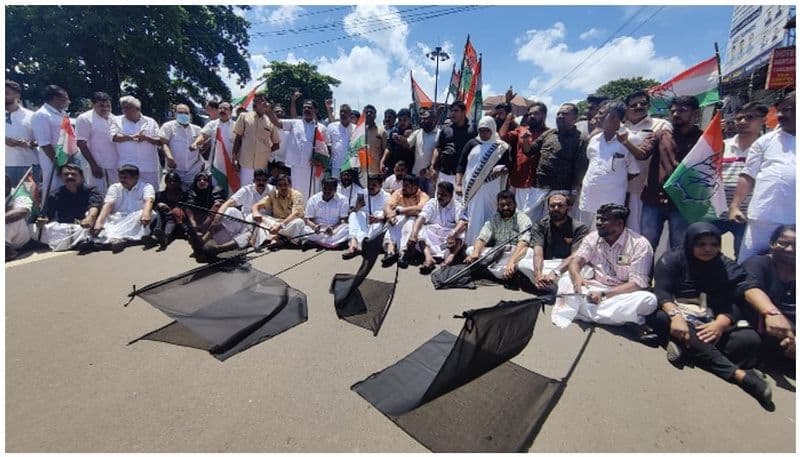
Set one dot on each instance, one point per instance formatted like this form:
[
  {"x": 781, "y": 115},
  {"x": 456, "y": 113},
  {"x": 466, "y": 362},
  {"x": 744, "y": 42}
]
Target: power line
[
  {"x": 275, "y": 21},
  {"x": 375, "y": 20},
  {"x": 361, "y": 34}
]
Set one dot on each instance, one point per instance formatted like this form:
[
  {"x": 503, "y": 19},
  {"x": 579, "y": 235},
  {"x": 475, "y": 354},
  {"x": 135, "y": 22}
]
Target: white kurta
[
  {"x": 327, "y": 214},
  {"x": 606, "y": 179},
  {"x": 188, "y": 162},
  {"x": 439, "y": 224},
  {"x": 94, "y": 129},
  {"x": 18, "y": 232},
  {"x": 357, "y": 223},
  {"x": 46, "y": 126},
  {"x": 299, "y": 150},
  {"x": 124, "y": 222},
  {"x": 247, "y": 196},
  {"x": 339, "y": 141}
]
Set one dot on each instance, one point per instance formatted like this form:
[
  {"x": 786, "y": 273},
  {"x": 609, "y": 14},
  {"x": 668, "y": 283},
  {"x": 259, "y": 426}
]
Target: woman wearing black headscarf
[
  {"x": 696, "y": 287},
  {"x": 201, "y": 195}
]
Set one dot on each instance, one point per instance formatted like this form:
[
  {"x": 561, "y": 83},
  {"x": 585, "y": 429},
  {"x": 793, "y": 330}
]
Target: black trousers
[{"x": 736, "y": 348}]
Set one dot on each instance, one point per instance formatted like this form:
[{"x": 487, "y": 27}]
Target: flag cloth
[
  {"x": 696, "y": 184},
  {"x": 455, "y": 82},
  {"x": 419, "y": 100},
  {"x": 246, "y": 101},
  {"x": 321, "y": 153},
  {"x": 477, "y": 102},
  {"x": 701, "y": 81},
  {"x": 67, "y": 145},
  {"x": 470, "y": 81},
  {"x": 27, "y": 187},
  {"x": 222, "y": 170},
  {"x": 358, "y": 145}
]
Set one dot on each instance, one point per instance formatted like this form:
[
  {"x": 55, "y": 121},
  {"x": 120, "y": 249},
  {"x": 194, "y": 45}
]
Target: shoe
[
  {"x": 646, "y": 335},
  {"x": 160, "y": 237},
  {"x": 675, "y": 355},
  {"x": 389, "y": 259},
  {"x": 117, "y": 246},
  {"x": 755, "y": 384},
  {"x": 426, "y": 269},
  {"x": 349, "y": 255},
  {"x": 402, "y": 262}
]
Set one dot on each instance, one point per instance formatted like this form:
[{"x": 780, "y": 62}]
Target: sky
[{"x": 553, "y": 54}]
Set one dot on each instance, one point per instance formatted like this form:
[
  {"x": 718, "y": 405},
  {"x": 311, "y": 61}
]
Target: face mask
[{"x": 183, "y": 118}]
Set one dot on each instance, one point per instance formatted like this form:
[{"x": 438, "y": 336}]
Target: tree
[
  {"x": 284, "y": 78},
  {"x": 159, "y": 54},
  {"x": 618, "y": 89}
]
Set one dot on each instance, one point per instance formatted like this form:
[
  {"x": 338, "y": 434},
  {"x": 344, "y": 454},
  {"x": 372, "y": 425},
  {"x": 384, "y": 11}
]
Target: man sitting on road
[
  {"x": 285, "y": 220},
  {"x": 326, "y": 216},
  {"x": 18, "y": 209},
  {"x": 127, "y": 210},
  {"x": 435, "y": 228},
  {"x": 363, "y": 223},
  {"x": 400, "y": 211}
]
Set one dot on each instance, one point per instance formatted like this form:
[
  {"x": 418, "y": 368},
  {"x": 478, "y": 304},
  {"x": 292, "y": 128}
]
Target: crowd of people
[{"x": 576, "y": 210}]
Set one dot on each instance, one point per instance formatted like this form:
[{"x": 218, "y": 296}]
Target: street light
[{"x": 439, "y": 56}]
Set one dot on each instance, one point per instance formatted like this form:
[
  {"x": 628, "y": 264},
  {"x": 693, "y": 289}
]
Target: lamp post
[{"x": 439, "y": 56}]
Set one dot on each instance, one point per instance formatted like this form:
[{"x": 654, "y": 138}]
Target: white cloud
[
  {"x": 256, "y": 62},
  {"x": 366, "y": 18},
  {"x": 620, "y": 58},
  {"x": 293, "y": 59},
  {"x": 591, "y": 33},
  {"x": 285, "y": 15}
]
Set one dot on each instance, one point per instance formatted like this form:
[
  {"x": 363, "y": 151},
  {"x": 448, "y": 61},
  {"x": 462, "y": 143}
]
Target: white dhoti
[
  {"x": 120, "y": 226},
  {"x": 531, "y": 201},
  {"x": 290, "y": 230},
  {"x": 232, "y": 230},
  {"x": 187, "y": 176},
  {"x": 435, "y": 237},
  {"x": 301, "y": 177},
  {"x": 358, "y": 227},
  {"x": 340, "y": 235},
  {"x": 525, "y": 265},
  {"x": 18, "y": 233},
  {"x": 400, "y": 232},
  {"x": 481, "y": 208},
  {"x": 616, "y": 310},
  {"x": 62, "y": 236},
  {"x": 634, "y": 221},
  {"x": 102, "y": 183}
]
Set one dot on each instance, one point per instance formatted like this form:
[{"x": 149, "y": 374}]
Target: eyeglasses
[
  {"x": 641, "y": 104},
  {"x": 746, "y": 117},
  {"x": 784, "y": 244}
]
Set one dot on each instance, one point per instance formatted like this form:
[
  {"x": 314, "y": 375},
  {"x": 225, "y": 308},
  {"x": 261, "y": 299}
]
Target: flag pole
[
  {"x": 25, "y": 176},
  {"x": 719, "y": 70},
  {"x": 366, "y": 157},
  {"x": 479, "y": 76},
  {"x": 446, "y": 97}
]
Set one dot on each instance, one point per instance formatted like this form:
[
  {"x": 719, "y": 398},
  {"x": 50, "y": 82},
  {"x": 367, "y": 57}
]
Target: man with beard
[
  {"x": 256, "y": 132},
  {"x": 422, "y": 142},
  {"x": 136, "y": 138},
  {"x": 639, "y": 125},
  {"x": 451, "y": 142},
  {"x": 285, "y": 207},
  {"x": 668, "y": 149},
  {"x": 249, "y": 194},
  {"x": 587, "y": 125},
  {"x": 94, "y": 141},
  {"x": 20, "y": 144},
  {"x": 770, "y": 172},
  {"x": 502, "y": 113},
  {"x": 619, "y": 262},
  {"x": 523, "y": 166},
  {"x": 338, "y": 136},
  {"x": 555, "y": 238},
  {"x": 515, "y": 261},
  {"x": 127, "y": 210},
  {"x": 349, "y": 187},
  {"x": 389, "y": 119},
  {"x": 326, "y": 216},
  {"x": 69, "y": 211},
  {"x": 397, "y": 146},
  {"x": 362, "y": 223},
  {"x": 561, "y": 154},
  {"x": 435, "y": 229},
  {"x": 46, "y": 126},
  {"x": 208, "y": 135},
  {"x": 400, "y": 211}
]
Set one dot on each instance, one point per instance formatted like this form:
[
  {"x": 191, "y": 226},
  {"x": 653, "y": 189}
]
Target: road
[{"x": 74, "y": 385}]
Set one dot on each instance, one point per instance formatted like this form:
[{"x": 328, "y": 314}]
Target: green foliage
[
  {"x": 284, "y": 78},
  {"x": 618, "y": 89},
  {"x": 159, "y": 54}
]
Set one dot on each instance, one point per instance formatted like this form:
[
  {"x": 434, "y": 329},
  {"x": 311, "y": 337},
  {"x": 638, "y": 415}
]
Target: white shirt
[
  {"x": 247, "y": 196},
  {"x": 446, "y": 216},
  {"x": 733, "y": 160},
  {"x": 637, "y": 133},
  {"x": 179, "y": 138},
  {"x": 350, "y": 193},
  {"x": 128, "y": 201},
  {"x": 339, "y": 141},
  {"x": 606, "y": 179},
  {"x": 142, "y": 154},
  {"x": 300, "y": 141},
  {"x": 46, "y": 124},
  {"x": 391, "y": 183},
  {"x": 226, "y": 128},
  {"x": 772, "y": 162},
  {"x": 423, "y": 144},
  {"x": 329, "y": 212},
  {"x": 280, "y": 154},
  {"x": 20, "y": 129},
  {"x": 94, "y": 130},
  {"x": 377, "y": 202}
]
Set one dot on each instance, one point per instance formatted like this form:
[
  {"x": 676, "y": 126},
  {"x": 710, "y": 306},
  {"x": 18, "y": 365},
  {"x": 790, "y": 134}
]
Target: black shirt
[
  {"x": 558, "y": 242},
  {"x": 398, "y": 152},
  {"x": 65, "y": 206},
  {"x": 450, "y": 144},
  {"x": 562, "y": 159},
  {"x": 763, "y": 274}
]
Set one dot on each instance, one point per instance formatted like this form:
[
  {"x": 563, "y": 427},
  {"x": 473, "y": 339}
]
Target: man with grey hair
[
  {"x": 136, "y": 136},
  {"x": 180, "y": 151}
]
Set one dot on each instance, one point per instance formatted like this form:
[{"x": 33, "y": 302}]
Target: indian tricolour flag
[
  {"x": 67, "y": 143},
  {"x": 701, "y": 81},
  {"x": 320, "y": 156},
  {"x": 696, "y": 184},
  {"x": 225, "y": 176},
  {"x": 357, "y": 154},
  {"x": 246, "y": 101}
]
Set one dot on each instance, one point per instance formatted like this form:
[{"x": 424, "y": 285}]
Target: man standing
[
  {"x": 435, "y": 228},
  {"x": 69, "y": 211},
  {"x": 400, "y": 211},
  {"x": 127, "y": 210},
  {"x": 376, "y": 139},
  {"x": 136, "y": 137},
  {"x": 389, "y": 119},
  {"x": 20, "y": 149},
  {"x": 362, "y": 223},
  {"x": 668, "y": 149},
  {"x": 523, "y": 165},
  {"x": 593, "y": 102},
  {"x": 639, "y": 125},
  {"x": 255, "y": 133},
  {"x": 338, "y": 136},
  {"x": 286, "y": 210},
  {"x": 555, "y": 238},
  {"x": 620, "y": 262},
  {"x": 422, "y": 143},
  {"x": 397, "y": 146},
  {"x": 326, "y": 216},
  {"x": 94, "y": 141},
  {"x": 561, "y": 156},
  {"x": 771, "y": 168},
  {"x": 222, "y": 127},
  {"x": 179, "y": 136},
  {"x": 46, "y": 125},
  {"x": 450, "y": 144}
]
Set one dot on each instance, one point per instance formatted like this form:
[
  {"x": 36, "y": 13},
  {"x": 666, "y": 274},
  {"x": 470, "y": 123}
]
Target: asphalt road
[{"x": 74, "y": 385}]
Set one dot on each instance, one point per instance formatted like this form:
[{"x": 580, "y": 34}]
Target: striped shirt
[
  {"x": 629, "y": 258},
  {"x": 498, "y": 230},
  {"x": 733, "y": 160}
]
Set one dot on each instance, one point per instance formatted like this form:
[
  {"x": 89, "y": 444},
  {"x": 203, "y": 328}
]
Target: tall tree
[
  {"x": 284, "y": 78},
  {"x": 618, "y": 89},
  {"x": 160, "y": 54}
]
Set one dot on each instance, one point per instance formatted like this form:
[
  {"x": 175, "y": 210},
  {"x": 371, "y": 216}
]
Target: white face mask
[{"x": 183, "y": 118}]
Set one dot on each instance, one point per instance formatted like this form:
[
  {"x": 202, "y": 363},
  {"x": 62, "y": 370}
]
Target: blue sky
[{"x": 531, "y": 48}]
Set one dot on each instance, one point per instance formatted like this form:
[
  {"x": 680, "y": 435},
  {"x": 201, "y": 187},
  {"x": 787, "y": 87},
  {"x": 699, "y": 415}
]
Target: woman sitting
[
  {"x": 696, "y": 288},
  {"x": 202, "y": 195}
]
